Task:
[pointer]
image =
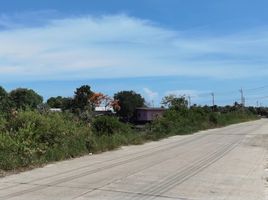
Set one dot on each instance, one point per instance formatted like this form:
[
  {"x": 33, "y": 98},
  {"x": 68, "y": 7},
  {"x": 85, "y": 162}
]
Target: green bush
[
  {"x": 101, "y": 143},
  {"x": 9, "y": 149},
  {"x": 33, "y": 138},
  {"x": 107, "y": 125},
  {"x": 185, "y": 121}
]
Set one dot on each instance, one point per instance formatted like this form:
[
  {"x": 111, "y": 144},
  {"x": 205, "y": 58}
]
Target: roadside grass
[{"x": 33, "y": 139}]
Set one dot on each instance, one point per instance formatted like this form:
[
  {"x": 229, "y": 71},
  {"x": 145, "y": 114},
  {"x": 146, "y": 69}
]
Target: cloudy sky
[{"x": 155, "y": 47}]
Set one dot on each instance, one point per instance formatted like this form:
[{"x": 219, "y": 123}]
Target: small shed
[{"x": 144, "y": 114}]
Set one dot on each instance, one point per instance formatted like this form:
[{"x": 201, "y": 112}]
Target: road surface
[{"x": 226, "y": 163}]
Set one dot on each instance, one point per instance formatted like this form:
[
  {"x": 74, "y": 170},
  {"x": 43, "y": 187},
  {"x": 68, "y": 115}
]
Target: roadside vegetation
[{"x": 32, "y": 135}]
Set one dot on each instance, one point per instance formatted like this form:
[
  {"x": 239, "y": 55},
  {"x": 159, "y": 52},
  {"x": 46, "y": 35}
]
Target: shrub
[
  {"x": 33, "y": 138},
  {"x": 185, "y": 121},
  {"x": 213, "y": 118},
  {"x": 9, "y": 150},
  {"x": 107, "y": 125}
]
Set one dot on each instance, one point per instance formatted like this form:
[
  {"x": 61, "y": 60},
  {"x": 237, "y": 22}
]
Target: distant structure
[
  {"x": 144, "y": 114},
  {"x": 55, "y": 110},
  {"x": 101, "y": 110}
]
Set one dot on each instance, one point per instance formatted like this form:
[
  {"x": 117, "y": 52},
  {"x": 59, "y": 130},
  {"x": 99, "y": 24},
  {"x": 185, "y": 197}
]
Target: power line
[
  {"x": 200, "y": 97},
  {"x": 257, "y": 88}
]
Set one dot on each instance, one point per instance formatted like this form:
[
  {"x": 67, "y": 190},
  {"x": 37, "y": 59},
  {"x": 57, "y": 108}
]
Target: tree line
[{"x": 84, "y": 102}]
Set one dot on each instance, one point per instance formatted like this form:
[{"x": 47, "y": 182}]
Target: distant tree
[
  {"x": 174, "y": 102},
  {"x": 128, "y": 101},
  {"x": 23, "y": 98},
  {"x": 82, "y": 97},
  {"x": 5, "y": 102},
  {"x": 99, "y": 99},
  {"x": 3, "y": 92},
  {"x": 55, "y": 102},
  {"x": 65, "y": 103}
]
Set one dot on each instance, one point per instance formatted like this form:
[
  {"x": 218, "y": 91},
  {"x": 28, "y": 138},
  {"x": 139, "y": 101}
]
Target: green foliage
[
  {"x": 55, "y": 102},
  {"x": 22, "y": 98},
  {"x": 109, "y": 142},
  {"x": 60, "y": 102},
  {"x": 185, "y": 121},
  {"x": 3, "y": 93},
  {"x": 30, "y": 137},
  {"x": 81, "y": 99},
  {"x": 33, "y": 138},
  {"x": 107, "y": 125},
  {"x": 174, "y": 102},
  {"x": 128, "y": 102},
  {"x": 5, "y": 103}
]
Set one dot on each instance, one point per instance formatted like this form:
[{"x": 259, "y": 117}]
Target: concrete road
[{"x": 226, "y": 163}]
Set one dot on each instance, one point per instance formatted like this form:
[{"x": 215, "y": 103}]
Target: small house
[{"x": 144, "y": 114}]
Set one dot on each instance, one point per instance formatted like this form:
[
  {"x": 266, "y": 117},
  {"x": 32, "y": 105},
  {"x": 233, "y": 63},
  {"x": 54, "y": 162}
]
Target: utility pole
[
  {"x": 243, "y": 100},
  {"x": 189, "y": 101},
  {"x": 213, "y": 99},
  {"x": 257, "y": 103}
]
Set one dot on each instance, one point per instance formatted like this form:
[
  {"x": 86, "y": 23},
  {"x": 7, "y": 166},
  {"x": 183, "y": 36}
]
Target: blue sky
[{"x": 155, "y": 47}]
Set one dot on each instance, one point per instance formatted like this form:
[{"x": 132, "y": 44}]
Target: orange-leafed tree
[
  {"x": 115, "y": 104},
  {"x": 98, "y": 99}
]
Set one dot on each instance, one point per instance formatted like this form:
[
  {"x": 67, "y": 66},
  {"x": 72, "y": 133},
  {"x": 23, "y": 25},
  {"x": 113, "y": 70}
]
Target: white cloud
[
  {"x": 151, "y": 95},
  {"x": 123, "y": 46}
]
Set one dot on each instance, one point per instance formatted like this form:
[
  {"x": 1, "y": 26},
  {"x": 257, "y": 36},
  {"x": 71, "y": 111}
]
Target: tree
[
  {"x": 128, "y": 102},
  {"x": 174, "y": 102},
  {"x": 23, "y": 98},
  {"x": 5, "y": 103},
  {"x": 3, "y": 93},
  {"x": 64, "y": 103},
  {"x": 82, "y": 97},
  {"x": 55, "y": 102},
  {"x": 98, "y": 99},
  {"x": 67, "y": 103}
]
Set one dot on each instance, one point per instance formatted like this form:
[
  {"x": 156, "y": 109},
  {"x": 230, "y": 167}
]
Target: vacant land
[
  {"x": 225, "y": 163},
  {"x": 32, "y": 138}
]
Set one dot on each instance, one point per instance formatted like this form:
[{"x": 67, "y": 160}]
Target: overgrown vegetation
[
  {"x": 32, "y": 137},
  {"x": 179, "y": 122}
]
